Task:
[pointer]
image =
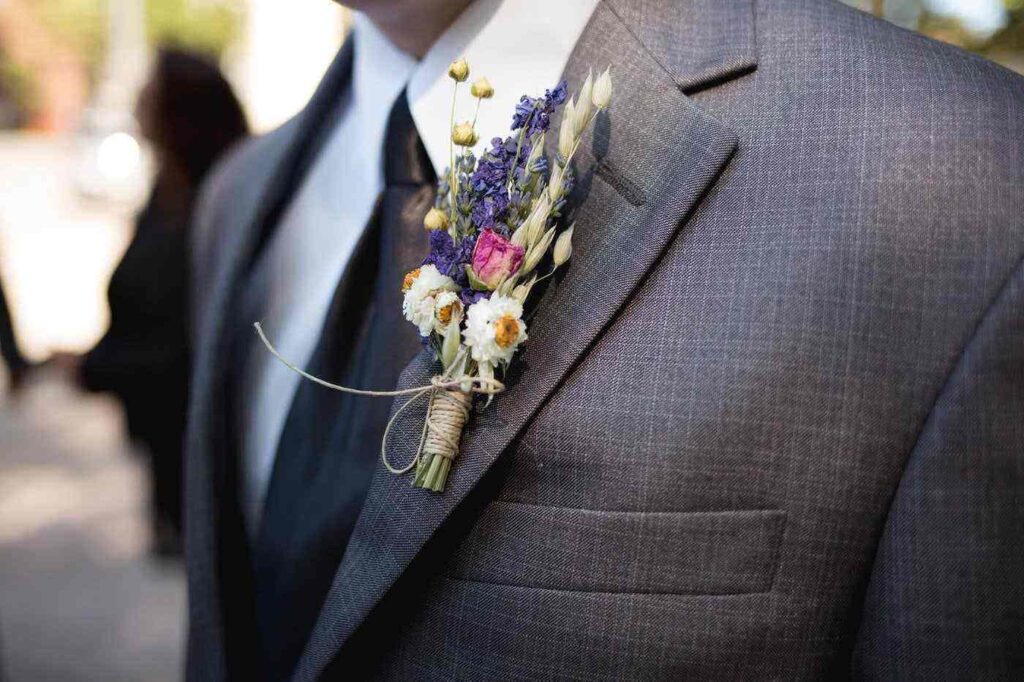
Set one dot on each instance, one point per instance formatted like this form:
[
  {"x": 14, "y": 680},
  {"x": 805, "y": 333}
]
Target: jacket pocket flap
[{"x": 693, "y": 553}]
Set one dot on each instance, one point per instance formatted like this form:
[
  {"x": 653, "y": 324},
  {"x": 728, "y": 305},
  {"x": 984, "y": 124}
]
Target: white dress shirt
[{"x": 521, "y": 46}]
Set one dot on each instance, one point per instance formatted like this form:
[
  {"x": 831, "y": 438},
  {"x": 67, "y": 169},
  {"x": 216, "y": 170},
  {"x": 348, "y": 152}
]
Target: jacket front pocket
[{"x": 697, "y": 553}]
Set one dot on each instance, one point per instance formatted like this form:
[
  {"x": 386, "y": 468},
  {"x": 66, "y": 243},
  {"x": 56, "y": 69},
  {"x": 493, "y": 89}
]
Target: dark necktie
[{"x": 330, "y": 443}]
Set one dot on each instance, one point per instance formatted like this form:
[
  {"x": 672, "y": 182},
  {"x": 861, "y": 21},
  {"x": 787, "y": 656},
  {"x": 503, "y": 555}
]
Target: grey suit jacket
[{"x": 769, "y": 425}]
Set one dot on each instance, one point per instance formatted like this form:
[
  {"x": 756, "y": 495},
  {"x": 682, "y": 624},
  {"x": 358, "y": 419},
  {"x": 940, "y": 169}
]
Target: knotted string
[{"x": 452, "y": 415}]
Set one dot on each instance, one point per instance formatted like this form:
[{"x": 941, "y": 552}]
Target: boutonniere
[{"x": 496, "y": 231}]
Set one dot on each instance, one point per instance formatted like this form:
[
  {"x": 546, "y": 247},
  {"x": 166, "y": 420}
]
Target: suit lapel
[{"x": 645, "y": 168}]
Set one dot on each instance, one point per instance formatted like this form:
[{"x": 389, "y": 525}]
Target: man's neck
[{"x": 412, "y": 25}]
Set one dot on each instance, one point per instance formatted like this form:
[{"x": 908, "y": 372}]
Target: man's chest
[{"x": 704, "y": 490}]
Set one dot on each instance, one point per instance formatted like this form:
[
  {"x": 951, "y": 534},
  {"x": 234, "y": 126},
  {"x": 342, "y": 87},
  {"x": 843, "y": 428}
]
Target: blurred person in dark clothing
[
  {"x": 189, "y": 113},
  {"x": 17, "y": 365}
]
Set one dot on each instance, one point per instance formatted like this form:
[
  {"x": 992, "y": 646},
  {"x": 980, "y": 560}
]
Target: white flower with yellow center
[
  {"x": 447, "y": 309},
  {"x": 422, "y": 288},
  {"x": 494, "y": 329}
]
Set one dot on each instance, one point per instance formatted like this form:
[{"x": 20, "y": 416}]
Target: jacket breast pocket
[{"x": 687, "y": 553}]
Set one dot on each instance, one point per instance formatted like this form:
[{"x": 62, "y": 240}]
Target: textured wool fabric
[{"x": 770, "y": 422}]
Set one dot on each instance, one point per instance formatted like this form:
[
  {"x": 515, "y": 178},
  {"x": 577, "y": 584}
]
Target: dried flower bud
[
  {"x": 563, "y": 247},
  {"x": 506, "y": 331},
  {"x": 519, "y": 236},
  {"x": 521, "y": 292},
  {"x": 450, "y": 344},
  {"x": 566, "y": 137},
  {"x": 535, "y": 152},
  {"x": 582, "y": 106},
  {"x": 459, "y": 70},
  {"x": 538, "y": 219},
  {"x": 410, "y": 277},
  {"x": 482, "y": 88},
  {"x": 495, "y": 258},
  {"x": 435, "y": 220},
  {"x": 603, "y": 90},
  {"x": 555, "y": 184},
  {"x": 464, "y": 135},
  {"x": 534, "y": 255},
  {"x": 447, "y": 309}
]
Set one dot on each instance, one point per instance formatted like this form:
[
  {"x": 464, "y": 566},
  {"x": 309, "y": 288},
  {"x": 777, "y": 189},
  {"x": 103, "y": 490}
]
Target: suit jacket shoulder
[
  {"x": 947, "y": 120},
  {"x": 902, "y": 149}
]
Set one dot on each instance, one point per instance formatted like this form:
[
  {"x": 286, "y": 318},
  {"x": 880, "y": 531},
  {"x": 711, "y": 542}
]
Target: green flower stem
[
  {"x": 421, "y": 471},
  {"x": 519, "y": 149},
  {"x": 432, "y": 473},
  {"x": 435, "y": 467},
  {"x": 476, "y": 115},
  {"x": 451, "y": 154},
  {"x": 442, "y": 475}
]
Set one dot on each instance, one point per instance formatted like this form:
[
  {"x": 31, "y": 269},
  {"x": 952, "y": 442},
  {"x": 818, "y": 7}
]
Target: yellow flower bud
[
  {"x": 435, "y": 220},
  {"x": 459, "y": 70},
  {"x": 464, "y": 135},
  {"x": 482, "y": 88}
]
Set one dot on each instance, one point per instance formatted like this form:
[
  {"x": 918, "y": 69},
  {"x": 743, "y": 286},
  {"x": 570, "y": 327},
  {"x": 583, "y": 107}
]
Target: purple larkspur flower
[
  {"x": 448, "y": 257},
  {"x": 534, "y": 113},
  {"x": 470, "y": 296},
  {"x": 490, "y": 181},
  {"x": 488, "y": 211},
  {"x": 484, "y": 192}
]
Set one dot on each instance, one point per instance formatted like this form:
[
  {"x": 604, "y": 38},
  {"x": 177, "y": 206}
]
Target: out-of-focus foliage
[
  {"x": 17, "y": 92},
  {"x": 204, "y": 25},
  {"x": 16, "y": 79},
  {"x": 1011, "y": 37},
  {"x": 53, "y": 53},
  {"x": 1005, "y": 45},
  {"x": 82, "y": 24}
]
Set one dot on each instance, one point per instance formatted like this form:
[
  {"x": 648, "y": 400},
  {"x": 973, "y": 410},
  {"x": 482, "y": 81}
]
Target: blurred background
[{"x": 94, "y": 196}]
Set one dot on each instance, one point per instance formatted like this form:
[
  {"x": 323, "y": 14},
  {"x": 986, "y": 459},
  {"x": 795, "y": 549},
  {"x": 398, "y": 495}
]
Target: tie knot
[{"x": 405, "y": 158}]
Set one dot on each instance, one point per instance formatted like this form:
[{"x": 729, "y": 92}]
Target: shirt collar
[
  {"x": 380, "y": 70},
  {"x": 521, "y": 46}
]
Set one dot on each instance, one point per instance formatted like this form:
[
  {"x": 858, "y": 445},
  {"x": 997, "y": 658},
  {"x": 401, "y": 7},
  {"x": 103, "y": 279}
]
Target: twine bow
[{"x": 446, "y": 415}]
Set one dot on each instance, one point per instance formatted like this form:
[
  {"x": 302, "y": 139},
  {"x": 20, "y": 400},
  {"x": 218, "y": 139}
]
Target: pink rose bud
[{"x": 495, "y": 258}]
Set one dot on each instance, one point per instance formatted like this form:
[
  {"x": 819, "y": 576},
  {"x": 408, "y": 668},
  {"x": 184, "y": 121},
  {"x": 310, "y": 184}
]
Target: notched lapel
[
  {"x": 699, "y": 42},
  {"x": 645, "y": 167}
]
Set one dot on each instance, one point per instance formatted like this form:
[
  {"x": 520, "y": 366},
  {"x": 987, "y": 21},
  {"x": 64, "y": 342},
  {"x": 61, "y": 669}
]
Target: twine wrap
[{"x": 446, "y": 417}]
